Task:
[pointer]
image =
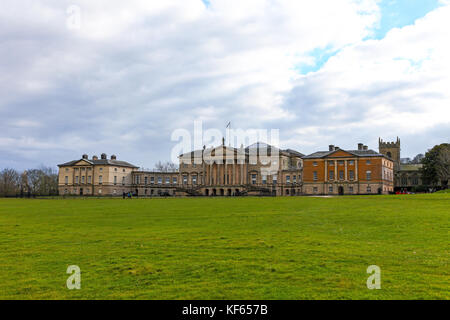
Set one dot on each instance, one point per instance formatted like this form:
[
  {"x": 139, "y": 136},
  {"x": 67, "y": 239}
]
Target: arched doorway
[
  {"x": 229, "y": 192},
  {"x": 214, "y": 192},
  {"x": 341, "y": 190},
  {"x": 81, "y": 191},
  {"x": 206, "y": 192},
  {"x": 222, "y": 192}
]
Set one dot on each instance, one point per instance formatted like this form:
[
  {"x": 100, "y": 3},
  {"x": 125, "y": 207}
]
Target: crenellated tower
[{"x": 392, "y": 150}]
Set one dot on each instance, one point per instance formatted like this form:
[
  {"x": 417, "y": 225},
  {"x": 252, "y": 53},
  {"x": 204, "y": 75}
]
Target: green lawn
[{"x": 226, "y": 248}]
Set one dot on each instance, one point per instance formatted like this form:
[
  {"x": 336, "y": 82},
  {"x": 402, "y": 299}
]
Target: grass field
[{"x": 226, "y": 248}]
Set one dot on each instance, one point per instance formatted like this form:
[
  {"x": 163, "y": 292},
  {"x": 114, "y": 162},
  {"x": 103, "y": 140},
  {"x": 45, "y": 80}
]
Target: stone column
[
  {"x": 335, "y": 170},
  {"x": 233, "y": 173},
  {"x": 345, "y": 177}
]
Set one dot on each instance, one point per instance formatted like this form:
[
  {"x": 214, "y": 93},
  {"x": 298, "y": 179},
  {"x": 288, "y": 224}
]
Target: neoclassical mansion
[{"x": 259, "y": 169}]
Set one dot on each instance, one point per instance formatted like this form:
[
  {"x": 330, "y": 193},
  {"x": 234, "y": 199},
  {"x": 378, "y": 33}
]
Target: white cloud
[{"x": 136, "y": 70}]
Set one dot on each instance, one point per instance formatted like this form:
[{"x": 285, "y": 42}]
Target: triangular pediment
[
  {"x": 339, "y": 154},
  {"x": 83, "y": 162}
]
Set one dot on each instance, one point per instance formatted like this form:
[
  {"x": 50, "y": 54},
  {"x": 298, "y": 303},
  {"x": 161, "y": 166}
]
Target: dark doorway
[
  {"x": 341, "y": 191},
  {"x": 229, "y": 192},
  {"x": 380, "y": 191},
  {"x": 81, "y": 191},
  {"x": 214, "y": 192},
  {"x": 207, "y": 192},
  {"x": 222, "y": 192}
]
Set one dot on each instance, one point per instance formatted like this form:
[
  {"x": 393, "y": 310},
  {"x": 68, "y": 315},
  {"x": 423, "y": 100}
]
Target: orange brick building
[{"x": 339, "y": 171}]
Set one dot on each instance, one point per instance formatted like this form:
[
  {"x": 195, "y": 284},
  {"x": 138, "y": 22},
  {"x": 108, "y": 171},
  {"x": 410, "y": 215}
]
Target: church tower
[{"x": 392, "y": 150}]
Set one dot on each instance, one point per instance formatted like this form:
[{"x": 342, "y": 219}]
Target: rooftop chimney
[
  {"x": 365, "y": 148},
  {"x": 85, "y": 156},
  {"x": 94, "y": 158},
  {"x": 360, "y": 146},
  {"x": 113, "y": 157},
  {"x": 331, "y": 147},
  {"x": 103, "y": 156}
]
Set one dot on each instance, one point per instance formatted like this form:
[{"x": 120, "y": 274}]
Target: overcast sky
[{"x": 323, "y": 72}]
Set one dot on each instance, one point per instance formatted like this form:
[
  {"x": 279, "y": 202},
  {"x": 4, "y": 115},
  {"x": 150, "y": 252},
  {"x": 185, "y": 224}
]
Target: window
[
  {"x": 115, "y": 180},
  {"x": 341, "y": 175},
  {"x": 146, "y": 180},
  {"x": 369, "y": 189},
  {"x": 138, "y": 179},
  {"x": 100, "y": 181},
  {"x": 350, "y": 189},
  {"x": 330, "y": 189},
  {"x": 253, "y": 178},
  {"x": 368, "y": 175},
  {"x": 368, "y": 162},
  {"x": 159, "y": 180},
  {"x": 264, "y": 179},
  {"x": 351, "y": 162},
  {"x": 115, "y": 169},
  {"x": 404, "y": 181},
  {"x": 352, "y": 175},
  {"x": 194, "y": 179},
  {"x": 123, "y": 170},
  {"x": 123, "y": 181},
  {"x": 99, "y": 191},
  {"x": 66, "y": 180},
  {"x": 67, "y": 169},
  {"x": 83, "y": 179},
  {"x": 101, "y": 169},
  {"x": 89, "y": 179},
  {"x": 288, "y": 179},
  {"x": 152, "y": 180},
  {"x": 315, "y": 175},
  {"x": 315, "y": 163},
  {"x": 274, "y": 179},
  {"x": 341, "y": 162},
  {"x": 174, "y": 180},
  {"x": 76, "y": 179},
  {"x": 331, "y": 175},
  {"x": 415, "y": 181},
  {"x": 331, "y": 162},
  {"x": 185, "y": 179},
  {"x": 294, "y": 179},
  {"x": 315, "y": 190}
]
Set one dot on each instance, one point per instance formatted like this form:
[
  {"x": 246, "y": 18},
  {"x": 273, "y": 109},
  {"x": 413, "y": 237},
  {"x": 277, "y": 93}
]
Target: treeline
[
  {"x": 436, "y": 166},
  {"x": 29, "y": 183}
]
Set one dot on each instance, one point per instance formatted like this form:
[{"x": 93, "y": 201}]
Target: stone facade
[
  {"x": 407, "y": 177},
  {"x": 95, "y": 177},
  {"x": 259, "y": 169},
  {"x": 346, "y": 172}
]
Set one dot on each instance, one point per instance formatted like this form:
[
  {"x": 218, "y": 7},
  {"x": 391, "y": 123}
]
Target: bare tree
[
  {"x": 418, "y": 159},
  {"x": 165, "y": 166},
  {"x": 43, "y": 181},
  {"x": 9, "y": 182}
]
